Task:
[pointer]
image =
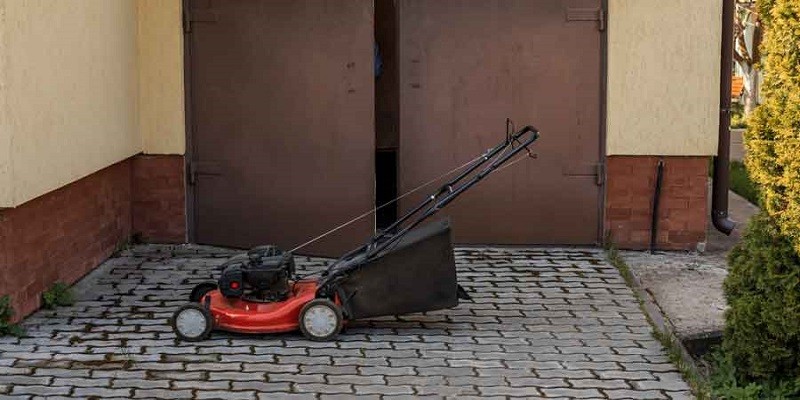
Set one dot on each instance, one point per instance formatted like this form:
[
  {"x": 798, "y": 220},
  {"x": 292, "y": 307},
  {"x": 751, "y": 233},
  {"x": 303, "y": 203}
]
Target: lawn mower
[{"x": 406, "y": 268}]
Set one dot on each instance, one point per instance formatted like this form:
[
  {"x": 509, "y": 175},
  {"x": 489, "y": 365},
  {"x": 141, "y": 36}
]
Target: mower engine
[{"x": 262, "y": 275}]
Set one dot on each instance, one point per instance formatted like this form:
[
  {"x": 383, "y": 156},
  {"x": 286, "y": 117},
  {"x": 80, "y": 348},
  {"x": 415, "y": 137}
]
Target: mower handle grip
[{"x": 526, "y": 129}]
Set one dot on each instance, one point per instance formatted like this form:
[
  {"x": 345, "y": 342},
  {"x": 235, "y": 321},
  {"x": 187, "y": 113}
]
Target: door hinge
[
  {"x": 601, "y": 20},
  {"x": 588, "y": 14},
  {"x": 191, "y": 16},
  {"x": 187, "y": 25},
  {"x": 600, "y": 174},
  {"x": 191, "y": 173}
]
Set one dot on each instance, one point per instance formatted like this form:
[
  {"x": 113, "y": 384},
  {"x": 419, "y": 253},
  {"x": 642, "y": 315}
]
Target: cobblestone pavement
[{"x": 554, "y": 323}]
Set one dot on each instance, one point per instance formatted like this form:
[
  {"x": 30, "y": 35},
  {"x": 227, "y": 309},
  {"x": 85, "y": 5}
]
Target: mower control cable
[
  {"x": 372, "y": 211},
  {"x": 452, "y": 194},
  {"x": 497, "y": 155},
  {"x": 440, "y": 199}
]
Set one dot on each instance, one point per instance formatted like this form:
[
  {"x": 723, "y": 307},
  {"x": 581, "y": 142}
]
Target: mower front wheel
[
  {"x": 321, "y": 320},
  {"x": 192, "y": 323}
]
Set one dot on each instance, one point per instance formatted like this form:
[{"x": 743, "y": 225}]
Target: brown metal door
[
  {"x": 467, "y": 65},
  {"x": 282, "y": 115}
]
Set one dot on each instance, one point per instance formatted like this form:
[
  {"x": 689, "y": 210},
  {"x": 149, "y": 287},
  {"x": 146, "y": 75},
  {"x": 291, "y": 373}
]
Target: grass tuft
[
  {"x": 6, "y": 313},
  {"x": 741, "y": 183},
  {"x": 59, "y": 295}
]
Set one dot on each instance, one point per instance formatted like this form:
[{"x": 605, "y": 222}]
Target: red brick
[
  {"x": 63, "y": 234},
  {"x": 683, "y": 213},
  {"x": 159, "y": 198}
]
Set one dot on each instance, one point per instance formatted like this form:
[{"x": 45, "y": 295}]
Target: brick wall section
[
  {"x": 159, "y": 198},
  {"x": 683, "y": 212},
  {"x": 64, "y": 234}
]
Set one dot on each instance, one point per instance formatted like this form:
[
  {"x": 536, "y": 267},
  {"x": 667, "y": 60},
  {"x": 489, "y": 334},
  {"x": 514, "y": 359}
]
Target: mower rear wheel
[
  {"x": 201, "y": 289},
  {"x": 192, "y": 323},
  {"x": 321, "y": 320}
]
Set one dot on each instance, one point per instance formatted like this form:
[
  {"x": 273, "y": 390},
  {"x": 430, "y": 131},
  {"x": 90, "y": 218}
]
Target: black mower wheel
[
  {"x": 201, "y": 289},
  {"x": 321, "y": 320},
  {"x": 192, "y": 323}
]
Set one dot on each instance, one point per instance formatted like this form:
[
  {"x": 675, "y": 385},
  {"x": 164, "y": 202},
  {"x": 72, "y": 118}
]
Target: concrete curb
[
  {"x": 661, "y": 323},
  {"x": 659, "y": 320},
  {"x": 663, "y": 330}
]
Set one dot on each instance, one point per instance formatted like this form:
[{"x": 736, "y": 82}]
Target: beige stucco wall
[
  {"x": 663, "y": 77},
  {"x": 85, "y": 84},
  {"x": 69, "y": 86},
  {"x": 6, "y": 194},
  {"x": 161, "y": 98}
]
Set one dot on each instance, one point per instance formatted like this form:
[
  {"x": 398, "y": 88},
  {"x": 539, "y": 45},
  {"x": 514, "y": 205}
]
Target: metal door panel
[
  {"x": 465, "y": 66},
  {"x": 282, "y": 117}
]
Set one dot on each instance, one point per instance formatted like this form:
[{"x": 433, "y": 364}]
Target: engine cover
[{"x": 261, "y": 275}]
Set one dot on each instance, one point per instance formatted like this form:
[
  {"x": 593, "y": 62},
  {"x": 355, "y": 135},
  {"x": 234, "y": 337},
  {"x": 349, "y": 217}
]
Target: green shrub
[
  {"x": 762, "y": 333},
  {"x": 738, "y": 119},
  {"x": 726, "y": 385},
  {"x": 6, "y": 313},
  {"x": 742, "y": 184},
  {"x": 60, "y": 294},
  {"x": 773, "y": 136}
]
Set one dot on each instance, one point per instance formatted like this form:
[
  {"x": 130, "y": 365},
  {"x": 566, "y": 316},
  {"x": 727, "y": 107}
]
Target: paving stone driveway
[{"x": 555, "y": 323}]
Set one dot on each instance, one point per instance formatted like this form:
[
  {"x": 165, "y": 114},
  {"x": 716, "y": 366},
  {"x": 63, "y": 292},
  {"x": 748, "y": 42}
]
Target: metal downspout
[{"x": 719, "y": 195}]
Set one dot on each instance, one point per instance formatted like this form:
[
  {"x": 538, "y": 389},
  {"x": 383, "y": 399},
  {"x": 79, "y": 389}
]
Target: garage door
[
  {"x": 466, "y": 66},
  {"x": 282, "y": 121}
]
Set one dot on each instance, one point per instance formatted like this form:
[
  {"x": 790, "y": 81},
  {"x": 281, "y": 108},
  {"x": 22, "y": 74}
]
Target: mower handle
[{"x": 441, "y": 198}]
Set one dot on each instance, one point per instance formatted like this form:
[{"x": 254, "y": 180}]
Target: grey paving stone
[
  {"x": 447, "y": 371},
  {"x": 537, "y": 382},
  {"x": 389, "y": 371},
  {"x": 263, "y": 386},
  {"x": 416, "y": 381},
  {"x": 16, "y": 370},
  {"x": 572, "y": 393},
  {"x": 161, "y": 394},
  {"x": 277, "y": 368},
  {"x": 446, "y": 391},
  {"x": 323, "y": 388},
  {"x": 177, "y": 375},
  {"x": 39, "y": 390},
  {"x": 101, "y": 392},
  {"x": 217, "y": 367},
  {"x": 350, "y": 396},
  {"x": 662, "y": 367},
  {"x": 383, "y": 389},
  {"x": 201, "y": 385},
  {"x": 360, "y": 361},
  {"x": 523, "y": 372},
  {"x": 598, "y": 383},
  {"x": 545, "y": 322},
  {"x": 236, "y": 376},
  {"x": 671, "y": 384},
  {"x": 357, "y": 379},
  {"x": 529, "y": 391},
  {"x": 299, "y": 378},
  {"x": 634, "y": 394},
  {"x": 225, "y": 394},
  {"x": 328, "y": 370},
  {"x": 287, "y": 396},
  {"x": 25, "y": 380},
  {"x": 139, "y": 383},
  {"x": 627, "y": 375}
]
